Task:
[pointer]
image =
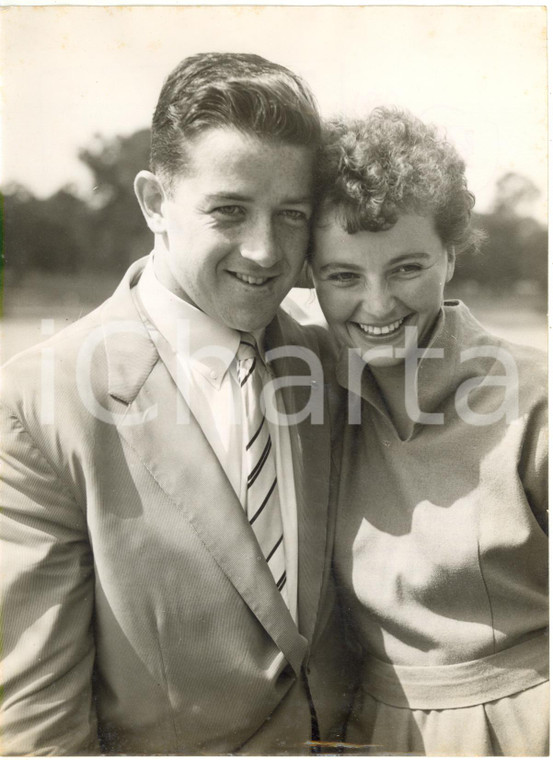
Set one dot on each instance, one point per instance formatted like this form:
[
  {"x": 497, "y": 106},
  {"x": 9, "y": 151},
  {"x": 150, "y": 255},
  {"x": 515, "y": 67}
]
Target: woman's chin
[{"x": 375, "y": 352}]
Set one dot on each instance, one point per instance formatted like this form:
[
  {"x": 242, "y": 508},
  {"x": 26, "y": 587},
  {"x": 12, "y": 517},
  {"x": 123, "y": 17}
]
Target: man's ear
[
  {"x": 151, "y": 196},
  {"x": 450, "y": 262}
]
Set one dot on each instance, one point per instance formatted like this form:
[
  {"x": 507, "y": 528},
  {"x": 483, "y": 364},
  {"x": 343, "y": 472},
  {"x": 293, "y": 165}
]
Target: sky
[{"x": 479, "y": 72}]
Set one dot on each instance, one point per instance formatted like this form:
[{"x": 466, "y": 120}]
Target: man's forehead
[
  {"x": 237, "y": 141},
  {"x": 224, "y": 160}
]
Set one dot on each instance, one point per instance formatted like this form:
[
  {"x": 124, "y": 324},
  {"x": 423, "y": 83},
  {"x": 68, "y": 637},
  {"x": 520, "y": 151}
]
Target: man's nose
[{"x": 259, "y": 244}]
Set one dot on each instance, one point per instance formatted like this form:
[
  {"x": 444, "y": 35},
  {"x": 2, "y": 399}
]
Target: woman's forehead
[{"x": 411, "y": 233}]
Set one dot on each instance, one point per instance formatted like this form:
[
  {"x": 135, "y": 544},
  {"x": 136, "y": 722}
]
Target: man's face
[{"x": 236, "y": 226}]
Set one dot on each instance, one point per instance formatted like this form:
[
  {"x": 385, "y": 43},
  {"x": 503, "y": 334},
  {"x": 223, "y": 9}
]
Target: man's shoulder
[
  {"x": 67, "y": 340},
  {"x": 45, "y": 375},
  {"x": 312, "y": 336},
  {"x": 24, "y": 375}
]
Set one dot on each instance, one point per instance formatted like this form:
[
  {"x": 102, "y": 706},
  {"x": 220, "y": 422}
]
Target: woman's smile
[{"x": 378, "y": 331}]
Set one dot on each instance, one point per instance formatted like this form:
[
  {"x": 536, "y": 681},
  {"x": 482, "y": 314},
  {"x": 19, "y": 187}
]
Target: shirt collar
[
  {"x": 433, "y": 376},
  {"x": 438, "y": 379},
  {"x": 208, "y": 346}
]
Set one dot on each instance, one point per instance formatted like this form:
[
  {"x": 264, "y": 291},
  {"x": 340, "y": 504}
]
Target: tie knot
[{"x": 247, "y": 348}]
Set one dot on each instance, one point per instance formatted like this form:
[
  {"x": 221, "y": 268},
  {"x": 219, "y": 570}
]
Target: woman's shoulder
[
  {"x": 469, "y": 332},
  {"x": 494, "y": 354}
]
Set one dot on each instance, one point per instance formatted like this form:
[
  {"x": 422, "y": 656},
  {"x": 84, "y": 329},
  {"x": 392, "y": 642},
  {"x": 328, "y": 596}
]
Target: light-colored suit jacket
[{"x": 137, "y": 616}]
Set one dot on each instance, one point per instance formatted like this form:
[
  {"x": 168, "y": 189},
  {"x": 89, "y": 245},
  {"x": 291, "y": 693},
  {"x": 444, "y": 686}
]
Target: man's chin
[
  {"x": 252, "y": 325},
  {"x": 248, "y": 322}
]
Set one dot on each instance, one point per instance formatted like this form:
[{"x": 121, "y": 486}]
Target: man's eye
[
  {"x": 294, "y": 215},
  {"x": 228, "y": 211}
]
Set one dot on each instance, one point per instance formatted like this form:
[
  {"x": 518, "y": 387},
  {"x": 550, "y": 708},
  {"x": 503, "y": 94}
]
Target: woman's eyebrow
[
  {"x": 392, "y": 262},
  {"x": 410, "y": 255},
  {"x": 340, "y": 265}
]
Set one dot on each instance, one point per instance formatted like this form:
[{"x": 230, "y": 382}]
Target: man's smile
[{"x": 249, "y": 279}]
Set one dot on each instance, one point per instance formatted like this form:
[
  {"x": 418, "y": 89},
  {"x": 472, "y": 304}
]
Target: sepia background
[{"x": 80, "y": 84}]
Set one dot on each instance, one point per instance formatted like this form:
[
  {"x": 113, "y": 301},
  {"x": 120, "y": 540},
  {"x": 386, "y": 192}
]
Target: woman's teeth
[{"x": 384, "y": 330}]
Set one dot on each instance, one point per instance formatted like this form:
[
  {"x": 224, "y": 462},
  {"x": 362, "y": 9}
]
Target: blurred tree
[
  {"x": 49, "y": 234},
  {"x": 66, "y": 233},
  {"x": 120, "y": 234},
  {"x": 514, "y": 195},
  {"x": 514, "y": 254},
  {"x": 106, "y": 231}
]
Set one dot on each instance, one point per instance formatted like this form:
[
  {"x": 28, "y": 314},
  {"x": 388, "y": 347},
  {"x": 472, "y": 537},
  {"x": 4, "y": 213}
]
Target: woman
[{"x": 441, "y": 550}]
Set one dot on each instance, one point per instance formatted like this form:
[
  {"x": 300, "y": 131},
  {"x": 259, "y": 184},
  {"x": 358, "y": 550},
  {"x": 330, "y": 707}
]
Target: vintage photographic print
[{"x": 273, "y": 431}]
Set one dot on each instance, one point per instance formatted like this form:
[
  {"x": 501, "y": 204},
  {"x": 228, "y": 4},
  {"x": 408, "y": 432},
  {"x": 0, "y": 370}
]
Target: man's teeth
[
  {"x": 251, "y": 280},
  {"x": 384, "y": 330}
]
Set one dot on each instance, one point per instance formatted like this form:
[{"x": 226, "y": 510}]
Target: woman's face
[{"x": 372, "y": 285}]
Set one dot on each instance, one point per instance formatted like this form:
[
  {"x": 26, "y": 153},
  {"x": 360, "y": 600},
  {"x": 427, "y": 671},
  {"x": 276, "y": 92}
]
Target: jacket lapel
[
  {"x": 311, "y": 457},
  {"x": 180, "y": 459}
]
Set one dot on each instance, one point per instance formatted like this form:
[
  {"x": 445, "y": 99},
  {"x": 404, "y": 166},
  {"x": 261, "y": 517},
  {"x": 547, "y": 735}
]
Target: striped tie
[{"x": 262, "y": 502}]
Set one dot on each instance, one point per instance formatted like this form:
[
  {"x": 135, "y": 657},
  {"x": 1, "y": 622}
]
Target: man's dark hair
[{"x": 237, "y": 90}]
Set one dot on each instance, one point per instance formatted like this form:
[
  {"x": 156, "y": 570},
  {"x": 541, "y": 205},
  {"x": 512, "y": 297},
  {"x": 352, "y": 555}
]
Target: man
[{"x": 165, "y": 589}]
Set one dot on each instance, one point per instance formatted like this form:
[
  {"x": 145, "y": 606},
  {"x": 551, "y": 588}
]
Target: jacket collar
[
  {"x": 312, "y": 465},
  {"x": 147, "y": 385},
  {"x": 131, "y": 355}
]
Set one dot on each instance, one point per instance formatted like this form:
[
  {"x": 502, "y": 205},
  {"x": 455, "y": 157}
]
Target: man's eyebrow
[
  {"x": 304, "y": 199},
  {"x": 234, "y": 196},
  {"x": 230, "y": 196}
]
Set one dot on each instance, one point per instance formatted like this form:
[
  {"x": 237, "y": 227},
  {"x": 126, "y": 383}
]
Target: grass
[{"x": 65, "y": 298}]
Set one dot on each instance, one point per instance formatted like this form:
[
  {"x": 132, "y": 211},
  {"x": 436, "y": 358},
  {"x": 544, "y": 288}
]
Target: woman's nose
[{"x": 378, "y": 300}]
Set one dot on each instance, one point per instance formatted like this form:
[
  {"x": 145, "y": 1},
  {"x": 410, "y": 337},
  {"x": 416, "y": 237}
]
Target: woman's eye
[
  {"x": 408, "y": 269},
  {"x": 343, "y": 277}
]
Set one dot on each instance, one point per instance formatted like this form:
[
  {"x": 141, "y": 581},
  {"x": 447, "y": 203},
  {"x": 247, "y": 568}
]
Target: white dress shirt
[{"x": 206, "y": 352}]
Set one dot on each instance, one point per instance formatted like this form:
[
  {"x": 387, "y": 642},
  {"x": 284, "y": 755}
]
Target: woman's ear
[
  {"x": 450, "y": 251},
  {"x": 305, "y": 277},
  {"x": 151, "y": 195}
]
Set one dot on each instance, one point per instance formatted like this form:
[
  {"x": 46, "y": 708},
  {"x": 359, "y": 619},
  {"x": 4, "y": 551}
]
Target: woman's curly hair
[{"x": 371, "y": 170}]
